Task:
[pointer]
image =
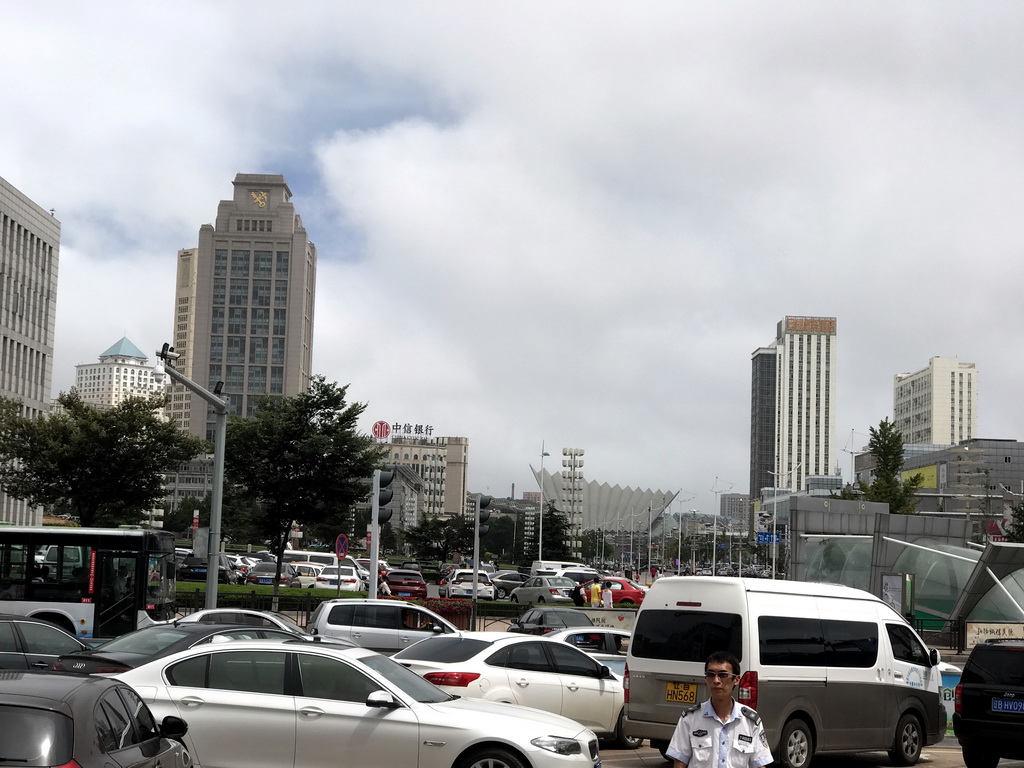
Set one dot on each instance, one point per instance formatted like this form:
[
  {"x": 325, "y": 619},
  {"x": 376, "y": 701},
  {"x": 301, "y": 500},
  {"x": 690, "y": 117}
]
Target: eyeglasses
[{"x": 720, "y": 675}]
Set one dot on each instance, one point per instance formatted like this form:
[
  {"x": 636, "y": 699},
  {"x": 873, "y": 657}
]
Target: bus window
[{"x": 13, "y": 558}]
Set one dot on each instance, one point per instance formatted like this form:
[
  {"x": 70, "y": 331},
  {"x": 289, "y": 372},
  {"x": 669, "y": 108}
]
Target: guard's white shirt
[{"x": 701, "y": 740}]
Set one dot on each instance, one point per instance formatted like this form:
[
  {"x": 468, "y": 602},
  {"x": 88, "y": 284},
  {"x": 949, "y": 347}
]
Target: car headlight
[{"x": 558, "y": 745}]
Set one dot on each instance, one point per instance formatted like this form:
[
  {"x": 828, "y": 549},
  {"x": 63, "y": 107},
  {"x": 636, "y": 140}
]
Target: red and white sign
[{"x": 381, "y": 430}]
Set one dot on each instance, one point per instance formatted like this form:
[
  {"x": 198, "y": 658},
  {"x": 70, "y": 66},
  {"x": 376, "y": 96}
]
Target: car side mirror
[
  {"x": 606, "y": 673},
  {"x": 172, "y": 727},
  {"x": 437, "y": 629},
  {"x": 933, "y": 657},
  {"x": 382, "y": 700}
]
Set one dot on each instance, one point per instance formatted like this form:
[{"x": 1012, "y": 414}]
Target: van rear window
[{"x": 686, "y": 635}]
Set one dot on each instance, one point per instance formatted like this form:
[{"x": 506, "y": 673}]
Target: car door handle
[
  {"x": 40, "y": 665},
  {"x": 311, "y": 712},
  {"x": 522, "y": 682},
  {"x": 898, "y": 675},
  {"x": 572, "y": 687},
  {"x": 192, "y": 701}
]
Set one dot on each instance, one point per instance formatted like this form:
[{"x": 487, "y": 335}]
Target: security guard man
[{"x": 720, "y": 733}]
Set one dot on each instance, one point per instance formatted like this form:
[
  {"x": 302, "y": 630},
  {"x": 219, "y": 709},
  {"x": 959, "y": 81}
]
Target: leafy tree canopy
[
  {"x": 300, "y": 458},
  {"x": 886, "y": 445},
  {"x": 105, "y": 465}
]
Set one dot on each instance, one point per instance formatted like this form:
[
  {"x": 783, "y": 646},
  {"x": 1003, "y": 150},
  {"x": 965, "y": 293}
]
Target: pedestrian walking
[
  {"x": 577, "y": 596},
  {"x": 606, "y": 595},
  {"x": 595, "y": 593},
  {"x": 720, "y": 733}
]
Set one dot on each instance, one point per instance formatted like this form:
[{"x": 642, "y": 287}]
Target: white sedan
[
  {"x": 460, "y": 584},
  {"x": 267, "y": 705},
  {"x": 527, "y": 670},
  {"x": 248, "y": 616}
]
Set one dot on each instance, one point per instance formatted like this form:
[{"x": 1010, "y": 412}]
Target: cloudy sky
[{"x": 559, "y": 224}]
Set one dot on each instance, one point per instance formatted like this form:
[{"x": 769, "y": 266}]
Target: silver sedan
[{"x": 544, "y": 589}]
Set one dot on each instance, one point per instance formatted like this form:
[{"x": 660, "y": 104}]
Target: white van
[
  {"x": 828, "y": 668},
  {"x": 548, "y": 567}
]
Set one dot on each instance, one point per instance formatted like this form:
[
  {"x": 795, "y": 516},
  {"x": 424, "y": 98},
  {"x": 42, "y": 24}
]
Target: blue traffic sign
[
  {"x": 765, "y": 537},
  {"x": 341, "y": 545}
]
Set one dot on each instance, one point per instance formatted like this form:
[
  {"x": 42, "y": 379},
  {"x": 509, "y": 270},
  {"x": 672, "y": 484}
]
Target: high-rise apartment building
[
  {"x": 122, "y": 371},
  {"x": 937, "y": 405},
  {"x": 799, "y": 409},
  {"x": 29, "y": 257},
  {"x": 244, "y": 303},
  {"x": 441, "y": 464}
]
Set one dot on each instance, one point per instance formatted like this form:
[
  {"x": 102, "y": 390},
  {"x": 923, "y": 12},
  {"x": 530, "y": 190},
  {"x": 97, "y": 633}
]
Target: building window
[
  {"x": 261, "y": 293},
  {"x": 257, "y": 378},
  {"x": 279, "y": 324},
  {"x": 277, "y": 351},
  {"x": 216, "y": 349},
  {"x": 236, "y": 349},
  {"x": 239, "y": 263},
  {"x": 220, "y": 289},
  {"x": 239, "y": 293},
  {"x": 282, "y": 264},
  {"x": 258, "y": 353},
  {"x": 260, "y": 322},
  {"x": 276, "y": 381},
  {"x": 280, "y": 293},
  {"x": 262, "y": 263},
  {"x": 235, "y": 378},
  {"x": 220, "y": 262},
  {"x": 236, "y": 320}
]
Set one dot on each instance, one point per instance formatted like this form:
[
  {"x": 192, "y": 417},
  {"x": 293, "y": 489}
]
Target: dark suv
[{"x": 988, "y": 718}]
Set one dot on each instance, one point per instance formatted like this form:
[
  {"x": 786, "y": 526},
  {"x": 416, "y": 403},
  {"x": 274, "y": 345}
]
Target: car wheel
[
  {"x": 627, "y": 601},
  {"x": 494, "y": 757},
  {"x": 514, "y": 599},
  {"x": 540, "y": 600},
  {"x": 906, "y": 750},
  {"x": 796, "y": 745},
  {"x": 977, "y": 757},
  {"x": 502, "y": 593},
  {"x": 621, "y": 740}
]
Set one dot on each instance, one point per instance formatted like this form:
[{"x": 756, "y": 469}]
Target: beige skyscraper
[
  {"x": 244, "y": 303},
  {"x": 937, "y": 405},
  {"x": 29, "y": 256}
]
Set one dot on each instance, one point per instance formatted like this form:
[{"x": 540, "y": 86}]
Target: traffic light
[
  {"x": 384, "y": 494},
  {"x": 482, "y": 513}
]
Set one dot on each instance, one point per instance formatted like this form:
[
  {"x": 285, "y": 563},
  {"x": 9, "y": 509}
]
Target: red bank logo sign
[{"x": 381, "y": 430}]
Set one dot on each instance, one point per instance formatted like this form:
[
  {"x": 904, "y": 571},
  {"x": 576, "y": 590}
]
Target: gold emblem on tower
[{"x": 260, "y": 198}]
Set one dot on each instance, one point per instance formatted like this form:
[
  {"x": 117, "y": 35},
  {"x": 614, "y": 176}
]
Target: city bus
[{"x": 94, "y": 582}]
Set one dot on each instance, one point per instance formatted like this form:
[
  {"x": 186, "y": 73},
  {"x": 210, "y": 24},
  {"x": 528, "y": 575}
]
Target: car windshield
[
  {"x": 407, "y": 575},
  {"x": 148, "y": 641},
  {"x": 34, "y": 737},
  {"x": 482, "y": 578},
  {"x": 405, "y": 680},
  {"x": 443, "y": 649}
]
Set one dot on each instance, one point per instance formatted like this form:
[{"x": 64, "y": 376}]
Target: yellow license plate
[{"x": 681, "y": 693}]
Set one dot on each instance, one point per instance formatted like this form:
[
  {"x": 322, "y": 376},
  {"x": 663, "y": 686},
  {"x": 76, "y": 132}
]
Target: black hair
[{"x": 723, "y": 657}]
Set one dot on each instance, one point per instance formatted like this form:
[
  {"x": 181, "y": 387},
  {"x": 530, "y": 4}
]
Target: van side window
[
  {"x": 341, "y": 614},
  {"x": 791, "y": 641},
  {"x": 850, "y": 643},
  {"x": 687, "y": 635},
  {"x": 377, "y": 616},
  {"x": 905, "y": 647}
]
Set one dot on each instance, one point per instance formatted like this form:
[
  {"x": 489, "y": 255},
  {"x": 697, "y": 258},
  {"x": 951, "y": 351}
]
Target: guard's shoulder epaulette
[
  {"x": 751, "y": 715},
  {"x": 691, "y": 709}
]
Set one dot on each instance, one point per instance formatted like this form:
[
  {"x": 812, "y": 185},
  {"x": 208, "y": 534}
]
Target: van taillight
[
  {"x": 958, "y": 698},
  {"x": 625, "y": 685},
  {"x": 71, "y": 764},
  {"x": 747, "y": 692}
]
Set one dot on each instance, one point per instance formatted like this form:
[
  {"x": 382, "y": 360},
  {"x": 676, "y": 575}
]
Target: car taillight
[
  {"x": 348, "y": 581},
  {"x": 625, "y": 685},
  {"x": 747, "y": 691},
  {"x": 58, "y": 666},
  {"x": 958, "y": 698},
  {"x": 555, "y": 591},
  {"x": 111, "y": 670},
  {"x": 455, "y": 679},
  {"x": 70, "y": 764}
]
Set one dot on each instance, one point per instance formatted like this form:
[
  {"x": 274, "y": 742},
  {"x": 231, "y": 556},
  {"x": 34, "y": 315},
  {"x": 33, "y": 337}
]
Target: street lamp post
[
  {"x": 166, "y": 355},
  {"x": 540, "y": 519},
  {"x": 775, "y": 517}
]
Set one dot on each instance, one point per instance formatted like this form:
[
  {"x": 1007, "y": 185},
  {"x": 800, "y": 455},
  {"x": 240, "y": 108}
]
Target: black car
[
  {"x": 136, "y": 648},
  {"x": 50, "y": 719},
  {"x": 542, "y": 619},
  {"x": 33, "y": 644},
  {"x": 988, "y": 716},
  {"x": 505, "y": 581},
  {"x": 195, "y": 568}
]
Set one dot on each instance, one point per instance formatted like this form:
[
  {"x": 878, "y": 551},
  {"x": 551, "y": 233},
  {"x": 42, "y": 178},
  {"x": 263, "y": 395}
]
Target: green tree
[
  {"x": 107, "y": 465},
  {"x": 1015, "y": 529},
  {"x": 556, "y": 538},
  {"x": 886, "y": 445},
  {"x": 298, "y": 459}
]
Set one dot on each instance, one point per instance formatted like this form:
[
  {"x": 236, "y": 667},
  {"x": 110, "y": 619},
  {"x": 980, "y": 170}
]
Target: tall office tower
[
  {"x": 440, "y": 463},
  {"x": 802, "y": 407},
  {"x": 763, "y": 364},
  {"x": 121, "y": 372},
  {"x": 244, "y": 303},
  {"x": 29, "y": 256},
  {"x": 937, "y": 405}
]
